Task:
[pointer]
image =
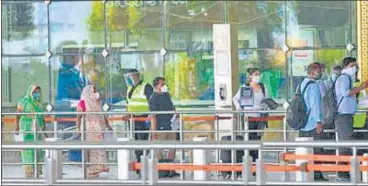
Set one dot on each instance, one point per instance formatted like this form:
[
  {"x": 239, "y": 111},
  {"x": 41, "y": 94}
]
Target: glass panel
[
  {"x": 318, "y": 23},
  {"x": 260, "y": 23},
  {"x": 69, "y": 76},
  {"x": 149, "y": 64},
  {"x": 190, "y": 23},
  {"x": 134, "y": 24},
  {"x": 190, "y": 76},
  {"x": 23, "y": 72},
  {"x": 272, "y": 65},
  {"x": 79, "y": 27},
  {"x": 300, "y": 59},
  {"x": 24, "y": 27}
]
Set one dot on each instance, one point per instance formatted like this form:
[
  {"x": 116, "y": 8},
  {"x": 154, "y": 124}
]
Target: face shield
[{"x": 129, "y": 80}]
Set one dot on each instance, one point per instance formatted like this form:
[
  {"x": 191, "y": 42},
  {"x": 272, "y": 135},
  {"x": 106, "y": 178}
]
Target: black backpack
[
  {"x": 330, "y": 105},
  {"x": 297, "y": 114}
]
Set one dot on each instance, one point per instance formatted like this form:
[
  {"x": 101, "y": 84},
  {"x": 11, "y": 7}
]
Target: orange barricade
[
  {"x": 317, "y": 157},
  {"x": 268, "y": 118},
  {"x": 216, "y": 167},
  {"x": 238, "y": 168}
]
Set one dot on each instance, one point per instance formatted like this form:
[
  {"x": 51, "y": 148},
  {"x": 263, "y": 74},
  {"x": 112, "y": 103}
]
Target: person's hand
[
  {"x": 16, "y": 130},
  {"x": 154, "y": 136},
  {"x": 319, "y": 128},
  {"x": 365, "y": 85}
]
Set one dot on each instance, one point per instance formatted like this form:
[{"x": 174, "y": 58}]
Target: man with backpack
[
  {"x": 312, "y": 98},
  {"x": 347, "y": 105}
]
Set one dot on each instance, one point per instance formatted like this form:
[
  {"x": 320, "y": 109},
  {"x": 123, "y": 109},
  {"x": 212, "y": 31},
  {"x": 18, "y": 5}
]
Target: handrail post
[
  {"x": 365, "y": 173},
  {"x": 152, "y": 170},
  {"x": 53, "y": 164},
  {"x": 247, "y": 169},
  {"x": 35, "y": 170},
  {"x": 144, "y": 168},
  {"x": 302, "y": 176},
  {"x": 260, "y": 169},
  {"x": 123, "y": 161},
  {"x": 200, "y": 159},
  {"x": 181, "y": 138},
  {"x": 355, "y": 173}
]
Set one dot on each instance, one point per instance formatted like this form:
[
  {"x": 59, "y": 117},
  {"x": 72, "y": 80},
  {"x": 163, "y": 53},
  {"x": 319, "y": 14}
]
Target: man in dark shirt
[{"x": 161, "y": 101}]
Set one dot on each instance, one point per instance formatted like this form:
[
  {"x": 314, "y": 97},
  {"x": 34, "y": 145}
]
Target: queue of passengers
[{"x": 144, "y": 97}]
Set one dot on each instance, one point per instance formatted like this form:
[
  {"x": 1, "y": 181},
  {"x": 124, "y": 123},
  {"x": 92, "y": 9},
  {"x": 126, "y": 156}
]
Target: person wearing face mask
[
  {"x": 250, "y": 97},
  {"x": 347, "y": 105},
  {"x": 161, "y": 101},
  {"x": 312, "y": 97},
  {"x": 32, "y": 102},
  {"x": 95, "y": 126},
  {"x": 138, "y": 95}
]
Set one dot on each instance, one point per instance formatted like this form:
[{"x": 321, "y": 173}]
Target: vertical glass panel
[
  {"x": 76, "y": 24},
  {"x": 23, "y": 72},
  {"x": 189, "y": 76},
  {"x": 272, "y": 65},
  {"x": 24, "y": 27},
  {"x": 318, "y": 23},
  {"x": 189, "y": 24},
  {"x": 134, "y": 24},
  {"x": 260, "y": 23},
  {"x": 70, "y": 73},
  {"x": 148, "y": 64},
  {"x": 300, "y": 59}
]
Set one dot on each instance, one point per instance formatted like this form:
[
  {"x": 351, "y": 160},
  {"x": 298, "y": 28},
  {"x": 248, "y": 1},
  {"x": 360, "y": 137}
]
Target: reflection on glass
[
  {"x": 272, "y": 65},
  {"x": 300, "y": 59},
  {"x": 24, "y": 27},
  {"x": 190, "y": 24},
  {"x": 318, "y": 23},
  {"x": 22, "y": 72},
  {"x": 80, "y": 27},
  {"x": 134, "y": 24},
  {"x": 70, "y": 73},
  {"x": 190, "y": 76},
  {"x": 260, "y": 23},
  {"x": 149, "y": 66}
]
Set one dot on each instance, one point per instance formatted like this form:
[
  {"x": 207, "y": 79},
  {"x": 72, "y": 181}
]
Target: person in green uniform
[{"x": 25, "y": 124}]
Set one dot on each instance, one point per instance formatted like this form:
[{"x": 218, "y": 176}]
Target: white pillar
[
  {"x": 200, "y": 158},
  {"x": 355, "y": 173},
  {"x": 152, "y": 170},
  {"x": 247, "y": 169},
  {"x": 365, "y": 173},
  {"x": 300, "y": 175},
  {"x": 53, "y": 164},
  {"x": 123, "y": 161}
]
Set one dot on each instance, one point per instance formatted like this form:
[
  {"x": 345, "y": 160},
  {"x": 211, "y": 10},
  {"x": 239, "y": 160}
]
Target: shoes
[
  {"x": 173, "y": 174},
  {"x": 321, "y": 178},
  {"x": 343, "y": 179}
]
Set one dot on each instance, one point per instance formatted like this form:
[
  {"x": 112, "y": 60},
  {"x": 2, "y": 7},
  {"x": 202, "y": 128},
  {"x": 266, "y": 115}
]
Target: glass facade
[{"x": 57, "y": 44}]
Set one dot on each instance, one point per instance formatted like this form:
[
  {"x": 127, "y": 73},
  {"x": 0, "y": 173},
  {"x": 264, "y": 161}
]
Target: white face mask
[
  {"x": 164, "y": 89},
  {"x": 350, "y": 71},
  {"x": 97, "y": 95},
  {"x": 256, "y": 79}
]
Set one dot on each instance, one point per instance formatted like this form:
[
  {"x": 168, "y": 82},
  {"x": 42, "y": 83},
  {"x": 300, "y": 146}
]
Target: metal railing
[
  {"x": 182, "y": 145},
  {"x": 129, "y": 132}
]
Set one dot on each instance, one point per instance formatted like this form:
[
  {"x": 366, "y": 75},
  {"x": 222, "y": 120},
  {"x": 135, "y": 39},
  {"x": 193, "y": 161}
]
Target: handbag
[{"x": 109, "y": 136}]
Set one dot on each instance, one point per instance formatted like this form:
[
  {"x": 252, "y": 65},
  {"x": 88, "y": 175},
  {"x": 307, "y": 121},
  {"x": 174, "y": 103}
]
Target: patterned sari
[
  {"x": 26, "y": 122},
  {"x": 95, "y": 126}
]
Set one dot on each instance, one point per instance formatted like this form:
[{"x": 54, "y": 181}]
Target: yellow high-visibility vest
[{"x": 138, "y": 101}]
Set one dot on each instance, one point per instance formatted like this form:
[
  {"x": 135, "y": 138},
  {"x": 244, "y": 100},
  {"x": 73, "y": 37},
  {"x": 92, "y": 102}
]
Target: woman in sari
[
  {"x": 32, "y": 102},
  {"x": 95, "y": 126}
]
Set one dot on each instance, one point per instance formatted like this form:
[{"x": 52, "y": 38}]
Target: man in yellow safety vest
[{"x": 138, "y": 95}]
